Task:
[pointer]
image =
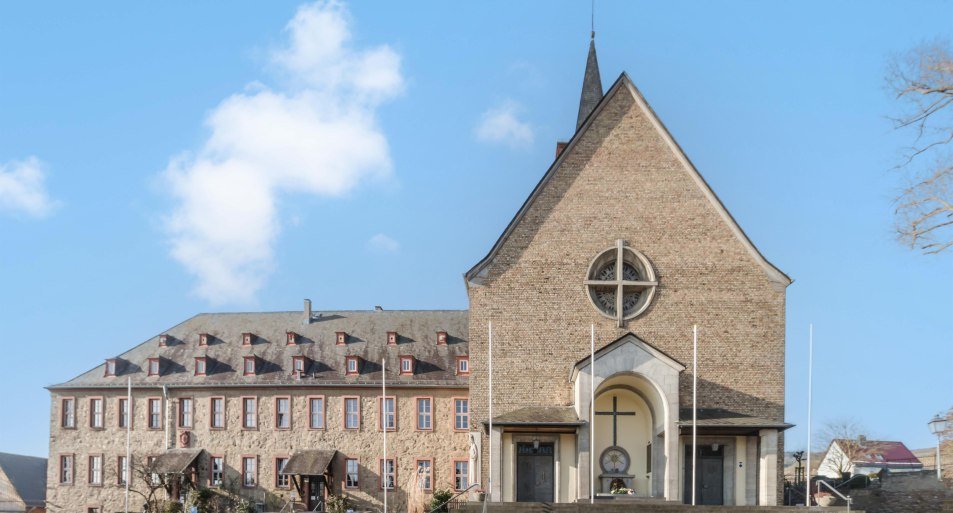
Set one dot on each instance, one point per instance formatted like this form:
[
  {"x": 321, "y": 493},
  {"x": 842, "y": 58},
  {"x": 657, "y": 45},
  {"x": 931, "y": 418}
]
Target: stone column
[
  {"x": 768, "y": 468},
  {"x": 582, "y": 453},
  {"x": 496, "y": 472}
]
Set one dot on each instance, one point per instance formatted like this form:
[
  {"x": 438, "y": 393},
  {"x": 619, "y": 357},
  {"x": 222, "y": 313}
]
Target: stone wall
[
  {"x": 443, "y": 444},
  {"x": 621, "y": 180},
  {"x": 917, "y": 492}
]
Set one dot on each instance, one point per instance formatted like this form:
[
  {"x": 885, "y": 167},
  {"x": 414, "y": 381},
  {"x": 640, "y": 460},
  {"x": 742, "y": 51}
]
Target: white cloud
[
  {"x": 383, "y": 243},
  {"x": 502, "y": 125},
  {"x": 23, "y": 188},
  {"x": 319, "y": 135}
]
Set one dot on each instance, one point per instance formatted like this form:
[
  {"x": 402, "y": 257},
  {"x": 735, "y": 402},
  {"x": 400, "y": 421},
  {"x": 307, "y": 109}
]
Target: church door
[
  {"x": 535, "y": 476},
  {"x": 710, "y": 484}
]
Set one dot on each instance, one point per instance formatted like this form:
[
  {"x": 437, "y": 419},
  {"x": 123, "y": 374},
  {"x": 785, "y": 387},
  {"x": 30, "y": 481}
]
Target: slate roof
[
  {"x": 27, "y": 474},
  {"x": 175, "y": 461},
  {"x": 312, "y": 462},
  {"x": 719, "y": 418},
  {"x": 539, "y": 416},
  {"x": 591, "y": 85},
  {"x": 366, "y": 337}
]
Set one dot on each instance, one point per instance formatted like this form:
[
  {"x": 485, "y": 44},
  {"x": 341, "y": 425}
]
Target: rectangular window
[
  {"x": 249, "y": 412},
  {"x": 96, "y": 470},
  {"x": 217, "y": 415},
  {"x": 461, "y": 414},
  {"x": 388, "y": 473},
  {"x": 424, "y": 413},
  {"x": 388, "y": 418},
  {"x": 424, "y": 478},
  {"x": 218, "y": 470},
  {"x": 110, "y": 367},
  {"x": 153, "y": 366},
  {"x": 297, "y": 365},
  {"x": 350, "y": 473},
  {"x": 200, "y": 366},
  {"x": 316, "y": 412},
  {"x": 122, "y": 468},
  {"x": 68, "y": 419},
  {"x": 153, "y": 476},
  {"x": 281, "y": 480},
  {"x": 155, "y": 413},
  {"x": 185, "y": 412},
  {"x": 351, "y": 365},
  {"x": 406, "y": 365},
  {"x": 96, "y": 413},
  {"x": 283, "y": 413},
  {"x": 66, "y": 469},
  {"x": 463, "y": 365},
  {"x": 249, "y": 366},
  {"x": 123, "y": 417},
  {"x": 352, "y": 413},
  {"x": 461, "y": 475},
  {"x": 249, "y": 472}
]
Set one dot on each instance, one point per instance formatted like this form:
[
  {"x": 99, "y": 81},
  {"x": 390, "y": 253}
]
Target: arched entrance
[{"x": 623, "y": 436}]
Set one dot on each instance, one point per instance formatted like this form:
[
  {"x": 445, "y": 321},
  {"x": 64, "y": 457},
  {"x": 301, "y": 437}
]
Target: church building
[{"x": 588, "y": 299}]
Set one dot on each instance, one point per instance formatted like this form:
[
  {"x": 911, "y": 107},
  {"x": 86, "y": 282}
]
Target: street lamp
[{"x": 937, "y": 427}]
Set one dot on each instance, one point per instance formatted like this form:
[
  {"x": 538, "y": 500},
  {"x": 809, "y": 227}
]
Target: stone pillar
[
  {"x": 740, "y": 467},
  {"x": 582, "y": 451},
  {"x": 671, "y": 449},
  {"x": 768, "y": 468},
  {"x": 496, "y": 472}
]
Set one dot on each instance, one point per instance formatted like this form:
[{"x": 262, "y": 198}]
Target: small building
[
  {"x": 22, "y": 484},
  {"x": 867, "y": 457}
]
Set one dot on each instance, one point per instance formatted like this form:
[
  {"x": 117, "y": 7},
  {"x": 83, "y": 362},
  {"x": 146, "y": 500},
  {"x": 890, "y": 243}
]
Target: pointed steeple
[{"x": 591, "y": 84}]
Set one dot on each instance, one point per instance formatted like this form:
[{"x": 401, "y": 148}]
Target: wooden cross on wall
[{"x": 615, "y": 417}]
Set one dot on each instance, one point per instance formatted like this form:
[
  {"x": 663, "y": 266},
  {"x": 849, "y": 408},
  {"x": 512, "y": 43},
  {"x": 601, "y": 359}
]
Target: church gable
[{"x": 622, "y": 130}]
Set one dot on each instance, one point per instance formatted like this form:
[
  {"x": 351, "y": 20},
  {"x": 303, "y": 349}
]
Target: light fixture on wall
[
  {"x": 714, "y": 447},
  {"x": 536, "y": 444}
]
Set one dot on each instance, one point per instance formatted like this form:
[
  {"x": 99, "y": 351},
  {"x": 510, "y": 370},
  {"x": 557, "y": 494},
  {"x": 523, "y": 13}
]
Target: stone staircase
[{"x": 645, "y": 506}]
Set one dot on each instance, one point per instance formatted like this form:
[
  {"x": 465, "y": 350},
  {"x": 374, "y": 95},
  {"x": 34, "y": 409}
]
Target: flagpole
[
  {"x": 489, "y": 481},
  {"x": 592, "y": 413},
  {"x": 810, "y": 389},
  {"x": 128, "y": 438},
  {"x": 384, "y": 422},
  {"x": 694, "y": 408}
]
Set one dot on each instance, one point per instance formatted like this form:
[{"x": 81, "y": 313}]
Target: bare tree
[
  {"x": 848, "y": 435},
  {"x": 923, "y": 80}
]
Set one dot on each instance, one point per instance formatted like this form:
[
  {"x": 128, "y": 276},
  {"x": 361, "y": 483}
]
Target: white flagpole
[
  {"x": 694, "y": 408},
  {"x": 489, "y": 481},
  {"x": 592, "y": 413},
  {"x": 384, "y": 422},
  {"x": 810, "y": 389},
  {"x": 128, "y": 439}
]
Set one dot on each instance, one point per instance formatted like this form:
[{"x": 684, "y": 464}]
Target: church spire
[{"x": 591, "y": 84}]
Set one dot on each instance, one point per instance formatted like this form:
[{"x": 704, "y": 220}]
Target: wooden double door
[
  {"x": 535, "y": 472},
  {"x": 710, "y": 480}
]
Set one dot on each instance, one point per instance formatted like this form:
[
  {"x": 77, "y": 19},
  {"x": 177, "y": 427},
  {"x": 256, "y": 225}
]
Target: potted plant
[
  {"x": 824, "y": 499},
  {"x": 481, "y": 494}
]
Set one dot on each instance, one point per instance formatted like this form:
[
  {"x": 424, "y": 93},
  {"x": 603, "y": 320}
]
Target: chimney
[
  {"x": 307, "y": 312},
  {"x": 560, "y": 146}
]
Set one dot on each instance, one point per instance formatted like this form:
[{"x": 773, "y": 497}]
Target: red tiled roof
[{"x": 878, "y": 451}]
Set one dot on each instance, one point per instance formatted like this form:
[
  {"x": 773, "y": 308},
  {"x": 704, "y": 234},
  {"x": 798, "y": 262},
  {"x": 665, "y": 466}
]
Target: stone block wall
[{"x": 443, "y": 444}]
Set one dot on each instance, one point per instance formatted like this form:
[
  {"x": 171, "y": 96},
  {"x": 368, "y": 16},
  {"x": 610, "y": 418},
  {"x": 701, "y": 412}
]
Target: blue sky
[{"x": 112, "y": 119}]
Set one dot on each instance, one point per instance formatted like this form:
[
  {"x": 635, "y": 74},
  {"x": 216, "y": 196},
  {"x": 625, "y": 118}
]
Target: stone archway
[
  {"x": 624, "y": 434},
  {"x": 633, "y": 365}
]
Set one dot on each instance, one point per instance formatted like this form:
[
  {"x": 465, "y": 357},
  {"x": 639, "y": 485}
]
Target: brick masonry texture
[
  {"x": 443, "y": 444},
  {"x": 621, "y": 180}
]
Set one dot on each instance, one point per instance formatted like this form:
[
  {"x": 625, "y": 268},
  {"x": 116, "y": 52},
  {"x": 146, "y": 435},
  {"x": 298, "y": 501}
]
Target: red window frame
[
  {"x": 149, "y": 425},
  {"x": 392, "y": 338},
  {"x": 347, "y": 365},
  {"x": 163, "y": 340},
  {"x": 102, "y": 413},
  {"x": 358, "y": 484},
  {"x": 203, "y": 360},
  {"x": 453, "y": 473},
  {"x": 291, "y": 338},
  {"x": 441, "y": 338},
  {"x": 460, "y": 360},
  {"x": 297, "y": 361},
  {"x": 154, "y": 362},
  {"x": 211, "y": 413},
  {"x": 245, "y": 426},
  {"x": 180, "y": 412},
  {"x": 406, "y": 358},
  {"x": 119, "y": 480},
  {"x": 344, "y": 401},
  {"x": 289, "y": 413},
  {"x": 254, "y": 366},
  {"x": 203, "y": 339},
  {"x": 129, "y": 415},
  {"x": 340, "y": 338},
  {"x": 417, "y": 469},
  {"x": 72, "y": 469},
  {"x": 254, "y": 458},
  {"x": 107, "y": 372},
  {"x": 278, "y": 470},
  {"x": 63, "y": 401},
  {"x": 380, "y": 416},
  {"x": 89, "y": 469},
  {"x": 380, "y": 470},
  {"x": 324, "y": 412},
  {"x": 247, "y": 339},
  {"x": 211, "y": 470},
  {"x": 453, "y": 416},
  {"x": 417, "y": 401}
]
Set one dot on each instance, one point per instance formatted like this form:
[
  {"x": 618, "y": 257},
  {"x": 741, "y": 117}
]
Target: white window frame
[
  {"x": 459, "y": 416},
  {"x": 459, "y": 485},
  {"x": 425, "y": 416}
]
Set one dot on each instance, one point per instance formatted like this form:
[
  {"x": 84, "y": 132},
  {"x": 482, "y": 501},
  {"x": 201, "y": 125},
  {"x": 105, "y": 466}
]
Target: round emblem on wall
[
  {"x": 614, "y": 460},
  {"x": 621, "y": 282}
]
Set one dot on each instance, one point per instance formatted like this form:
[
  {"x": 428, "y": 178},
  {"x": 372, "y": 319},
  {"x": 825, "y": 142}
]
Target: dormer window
[
  {"x": 201, "y": 365},
  {"x": 341, "y": 338},
  {"x": 250, "y": 366},
  {"x": 406, "y": 365},
  {"x": 163, "y": 340},
  {"x": 441, "y": 338},
  {"x": 292, "y": 338},
  {"x": 247, "y": 339},
  {"x": 352, "y": 365},
  {"x": 392, "y": 338},
  {"x": 203, "y": 339},
  {"x": 297, "y": 365},
  {"x": 153, "y": 366},
  {"x": 110, "y": 367},
  {"x": 463, "y": 365}
]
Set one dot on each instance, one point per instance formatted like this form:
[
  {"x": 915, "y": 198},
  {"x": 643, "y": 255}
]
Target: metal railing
[
  {"x": 448, "y": 501},
  {"x": 831, "y": 488}
]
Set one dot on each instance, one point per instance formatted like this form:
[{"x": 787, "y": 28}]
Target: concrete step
[{"x": 632, "y": 506}]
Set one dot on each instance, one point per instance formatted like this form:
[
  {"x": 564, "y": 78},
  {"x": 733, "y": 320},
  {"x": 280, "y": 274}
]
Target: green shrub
[
  {"x": 338, "y": 504},
  {"x": 171, "y": 507},
  {"x": 440, "y": 497}
]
